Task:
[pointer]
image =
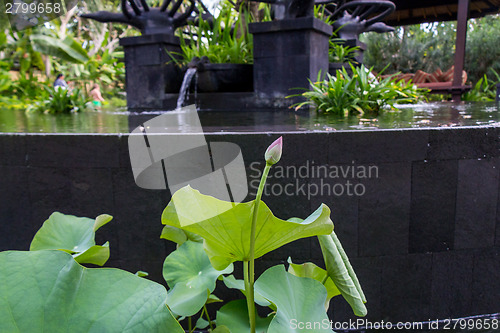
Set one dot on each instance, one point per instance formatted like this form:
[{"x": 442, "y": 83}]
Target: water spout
[{"x": 186, "y": 83}]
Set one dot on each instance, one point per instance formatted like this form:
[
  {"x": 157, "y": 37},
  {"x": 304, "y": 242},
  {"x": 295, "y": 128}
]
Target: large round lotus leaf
[
  {"x": 75, "y": 235},
  {"x": 299, "y": 301},
  {"x": 48, "y": 291},
  {"x": 192, "y": 278},
  {"x": 226, "y": 226}
]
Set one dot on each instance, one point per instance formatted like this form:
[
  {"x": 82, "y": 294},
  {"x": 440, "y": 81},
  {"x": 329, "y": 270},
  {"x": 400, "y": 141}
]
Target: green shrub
[
  {"x": 341, "y": 53},
  {"x": 358, "y": 93},
  {"x": 226, "y": 40},
  {"x": 62, "y": 101}
]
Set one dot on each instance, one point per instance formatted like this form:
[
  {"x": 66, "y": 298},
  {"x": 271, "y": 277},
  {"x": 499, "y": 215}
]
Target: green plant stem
[
  {"x": 249, "y": 296},
  {"x": 208, "y": 317},
  {"x": 249, "y": 266}
]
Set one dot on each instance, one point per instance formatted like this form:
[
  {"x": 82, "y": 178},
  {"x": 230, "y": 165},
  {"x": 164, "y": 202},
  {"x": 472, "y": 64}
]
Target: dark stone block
[
  {"x": 150, "y": 73},
  {"x": 167, "y": 39},
  {"x": 463, "y": 143},
  {"x": 287, "y": 197},
  {"x": 253, "y": 146},
  {"x": 486, "y": 281},
  {"x": 378, "y": 146},
  {"x": 16, "y": 227},
  {"x": 305, "y": 149},
  {"x": 13, "y": 149},
  {"x": 138, "y": 218},
  {"x": 225, "y": 78},
  {"x": 451, "y": 284},
  {"x": 433, "y": 204},
  {"x": 477, "y": 200},
  {"x": 153, "y": 268},
  {"x": 77, "y": 151},
  {"x": 344, "y": 214},
  {"x": 299, "y": 251},
  {"x": 73, "y": 191},
  {"x": 406, "y": 287},
  {"x": 284, "y": 44},
  {"x": 240, "y": 102},
  {"x": 497, "y": 237},
  {"x": 273, "y": 79},
  {"x": 384, "y": 211},
  {"x": 290, "y": 25},
  {"x": 299, "y": 44},
  {"x": 123, "y": 151},
  {"x": 50, "y": 191}
]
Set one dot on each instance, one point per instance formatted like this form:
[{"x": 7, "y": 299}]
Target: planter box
[{"x": 225, "y": 78}]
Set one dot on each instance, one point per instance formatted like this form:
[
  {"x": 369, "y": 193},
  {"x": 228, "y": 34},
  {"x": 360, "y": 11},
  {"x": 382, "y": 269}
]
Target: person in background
[
  {"x": 60, "y": 83},
  {"x": 96, "y": 96}
]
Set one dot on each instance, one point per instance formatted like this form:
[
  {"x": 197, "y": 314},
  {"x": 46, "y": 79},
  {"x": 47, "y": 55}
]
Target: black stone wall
[
  {"x": 287, "y": 53},
  {"x": 424, "y": 238},
  {"x": 150, "y": 71}
]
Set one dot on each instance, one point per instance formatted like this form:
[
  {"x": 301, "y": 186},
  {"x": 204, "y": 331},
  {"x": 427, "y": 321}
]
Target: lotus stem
[{"x": 249, "y": 266}]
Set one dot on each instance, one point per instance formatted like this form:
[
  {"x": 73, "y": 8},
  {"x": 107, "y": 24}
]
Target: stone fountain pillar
[
  {"x": 150, "y": 72},
  {"x": 287, "y": 53}
]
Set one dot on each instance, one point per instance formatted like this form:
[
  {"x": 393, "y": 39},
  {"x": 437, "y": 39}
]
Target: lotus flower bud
[{"x": 273, "y": 153}]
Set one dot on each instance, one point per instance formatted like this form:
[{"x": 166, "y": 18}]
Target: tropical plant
[
  {"x": 62, "y": 101},
  {"x": 359, "y": 92},
  {"x": 224, "y": 40},
  {"x": 251, "y": 231},
  {"x": 340, "y": 53},
  {"x": 85, "y": 53},
  {"x": 485, "y": 89},
  {"x": 60, "y": 295}
]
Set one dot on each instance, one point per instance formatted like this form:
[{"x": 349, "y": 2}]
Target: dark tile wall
[{"x": 424, "y": 236}]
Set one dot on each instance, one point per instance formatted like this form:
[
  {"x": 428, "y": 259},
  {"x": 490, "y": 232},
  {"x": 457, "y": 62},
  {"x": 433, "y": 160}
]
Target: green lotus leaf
[
  {"x": 225, "y": 226},
  {"x": 221, "y": 329},
  {"x": 299, "y": 301},
  {"x": 179, "y": 236},
  {"x": 214, "y": 299},
  {"x": 192, "y": 278},
  {"x": 101, "y": 220},
  {"x": 201, "y": 323},
  {"x": 75, "y": 235},
  {"x": 232, "y": 283},
  {"x": 312, "y": 271},
  {"x": 97, "y": 255},
  {"x": 342, "y": 274},
  {"x": 234, "y": 315},
  {"x": 48, "y": 291}
]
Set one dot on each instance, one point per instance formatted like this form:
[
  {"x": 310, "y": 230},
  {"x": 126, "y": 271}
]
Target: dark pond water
[{"x": 439, "y": 114}]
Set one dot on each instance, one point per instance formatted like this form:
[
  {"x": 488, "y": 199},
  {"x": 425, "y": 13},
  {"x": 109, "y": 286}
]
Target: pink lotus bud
[{"x": 273, "y": 153}]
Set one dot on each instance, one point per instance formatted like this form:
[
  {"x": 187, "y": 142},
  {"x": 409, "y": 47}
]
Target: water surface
[{"x": 425, "y": 115}]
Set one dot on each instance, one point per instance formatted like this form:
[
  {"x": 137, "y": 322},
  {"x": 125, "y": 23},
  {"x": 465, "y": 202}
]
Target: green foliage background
[{"x": 431, "y": 46}]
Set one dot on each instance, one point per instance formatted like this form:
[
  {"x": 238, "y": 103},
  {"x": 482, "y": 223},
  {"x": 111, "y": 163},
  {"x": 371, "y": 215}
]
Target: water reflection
[
  {"x": 18, "y": 121},
  {"x": 437, "y": 114}
]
